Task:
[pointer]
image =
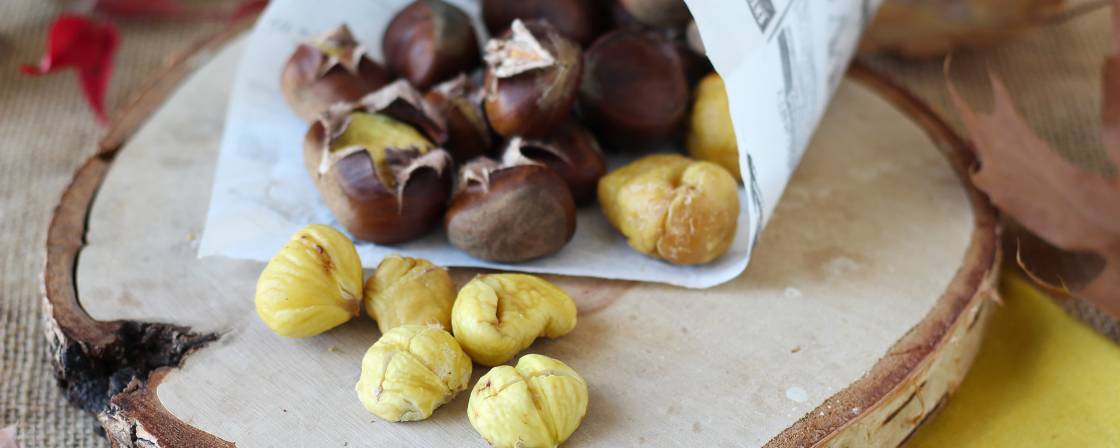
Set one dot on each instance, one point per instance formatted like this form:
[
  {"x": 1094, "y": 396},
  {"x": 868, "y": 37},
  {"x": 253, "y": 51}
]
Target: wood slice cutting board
[{"x": 860, "y": 313}]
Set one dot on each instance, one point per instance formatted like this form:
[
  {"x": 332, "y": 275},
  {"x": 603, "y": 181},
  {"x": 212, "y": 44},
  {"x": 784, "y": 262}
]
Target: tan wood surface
[{"x": 861, "y": 309}]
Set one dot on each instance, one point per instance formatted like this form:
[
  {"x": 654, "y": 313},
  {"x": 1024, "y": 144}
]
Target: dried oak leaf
[{"x": 1074, "y": 209}]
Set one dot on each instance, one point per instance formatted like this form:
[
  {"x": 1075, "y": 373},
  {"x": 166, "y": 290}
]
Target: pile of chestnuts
[{"x": 499, "y": 143}]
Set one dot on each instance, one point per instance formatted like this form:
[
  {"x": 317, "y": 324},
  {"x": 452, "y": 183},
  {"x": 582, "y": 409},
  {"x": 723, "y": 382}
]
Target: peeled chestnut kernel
[
  {"x": 711, "y": 136},
  {"x": 330, "y": 69},
  {"x": 658, "y": 13},
  {"x": 378, "y": 165},
  {"x": 460, "y": 103},
  {"x": 634, "y": 91},
  {"x": 510, "y": 213},
  {"x": 579, "y": 20},
  {"x": 531, "y": 80},
  {"x": 569, "y": 150},
  {"x": 430, "y": 41},
  {"x": 671, "y": 207}
]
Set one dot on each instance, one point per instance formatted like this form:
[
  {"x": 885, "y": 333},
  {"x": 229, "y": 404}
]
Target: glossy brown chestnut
[
  {"x": 460, "y": 103},
  {"x": 532, "y": 77},
  {"x": 377, "y": 165},
  {"x": 569, "y": 150},
  {"x": 510, "y": 213},
  {"x": 578, "y": 20},
  {"x": 695, "y": 65},
  {"x": 621, "y": 18},
  {"x": 658, "y": 13},
  {"x": 634, "y": 92},
  {"x": 329, "y": 69},
  {"x": 430, "y": 41}
]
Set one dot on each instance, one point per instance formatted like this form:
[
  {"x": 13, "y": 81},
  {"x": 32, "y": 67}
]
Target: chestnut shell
[
  {"x": 569, "y": 150},
  {"x": 579, "y": 20},
  {"x": 521, "y": 213},
  {"x": 429, "y": 41},
  {"x": 309, "y": 94},
  {"x": 533, "y": 102},
  {"x": 460, "y": 103},
  {"x": 366, "y": 205},
  {"x": 658, "y": 13},
  {"x": 633, "y": 91}
]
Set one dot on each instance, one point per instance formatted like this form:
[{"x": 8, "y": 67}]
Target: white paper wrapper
[{"x": 781, "y": 61}]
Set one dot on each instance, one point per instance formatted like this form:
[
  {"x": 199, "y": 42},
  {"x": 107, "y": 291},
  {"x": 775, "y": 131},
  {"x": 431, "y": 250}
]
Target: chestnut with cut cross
[
  {"x": 379, "y": 166},
  {"x": 569, "y": 150},
  {"x": 459, "y": 101},
  {"x": 532, "y": 78},
  {"x": 510, "y": 212},
  {"x": 329, "y": 69}
]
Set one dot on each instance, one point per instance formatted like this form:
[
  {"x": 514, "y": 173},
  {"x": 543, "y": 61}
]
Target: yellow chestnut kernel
[
  {"x": 497, "y": 315},
  {"x": 711, "y": 136},
  {"x": 411, "y": 371},
  {"x": 378, "y": 133},
  {"x": 407, "y": 290},
  {"x": 312, "y": 285},
  {"x": 671, "y": 207},
  {"x": 538, "y": 403}
]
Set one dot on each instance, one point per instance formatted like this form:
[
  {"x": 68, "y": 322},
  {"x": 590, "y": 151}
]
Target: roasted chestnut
[
  {"x": 430, "y": 41},
  {"x": 693, "y": 39},
  {"x": 329, "y": 69},
  {"x": 621, "y": 18},
  {"x": 695, "y": 65},
  {"x": 460, "y": 103},
  {"x": 378, "y": 165},
  {"x": 510, "y": 213},
  {"x": 634, "y": 91},
  {"x": 658, "y": 13},
  {"x": 711, "y": 136},
  {"x": 671, "y": 207},
  {"x": 531, "y": 81},
  {"x": 579, "y": 20},
  {"x": 569, "y": 150}
]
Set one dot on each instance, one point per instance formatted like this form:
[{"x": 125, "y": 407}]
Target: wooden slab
[{"x": 861, "y": 311}]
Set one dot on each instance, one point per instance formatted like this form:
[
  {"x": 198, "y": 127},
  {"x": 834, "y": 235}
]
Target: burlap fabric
[{"x": 47, "y": 130}]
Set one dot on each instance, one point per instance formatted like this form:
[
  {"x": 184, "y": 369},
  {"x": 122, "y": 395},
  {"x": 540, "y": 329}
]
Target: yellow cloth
[{"x": 1041, "y": 379}]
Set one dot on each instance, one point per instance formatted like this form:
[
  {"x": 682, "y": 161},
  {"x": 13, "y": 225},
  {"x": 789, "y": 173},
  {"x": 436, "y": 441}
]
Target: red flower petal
[{"x": 80, "y": 43}]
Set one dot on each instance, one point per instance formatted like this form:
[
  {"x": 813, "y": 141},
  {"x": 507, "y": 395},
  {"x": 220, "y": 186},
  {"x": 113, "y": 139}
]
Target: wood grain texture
[{"x": 836, "y": 303}]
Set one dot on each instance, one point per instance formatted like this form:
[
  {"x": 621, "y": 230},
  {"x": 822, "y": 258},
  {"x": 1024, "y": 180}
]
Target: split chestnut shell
[
  {"x": 532, "y": 79},
  {"x": 378, "y": 165},
  {"x": 510, "y": 213},
  {"x": 569, "y": 150},
  {"x": 459, "y": 101},
  {"x": 330, "y": 69}
]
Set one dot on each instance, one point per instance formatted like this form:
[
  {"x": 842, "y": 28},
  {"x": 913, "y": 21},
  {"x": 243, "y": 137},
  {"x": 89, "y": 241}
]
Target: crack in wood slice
[
  {"x": 110, "y": 369},
  {"x": 135, "y": 418}
]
